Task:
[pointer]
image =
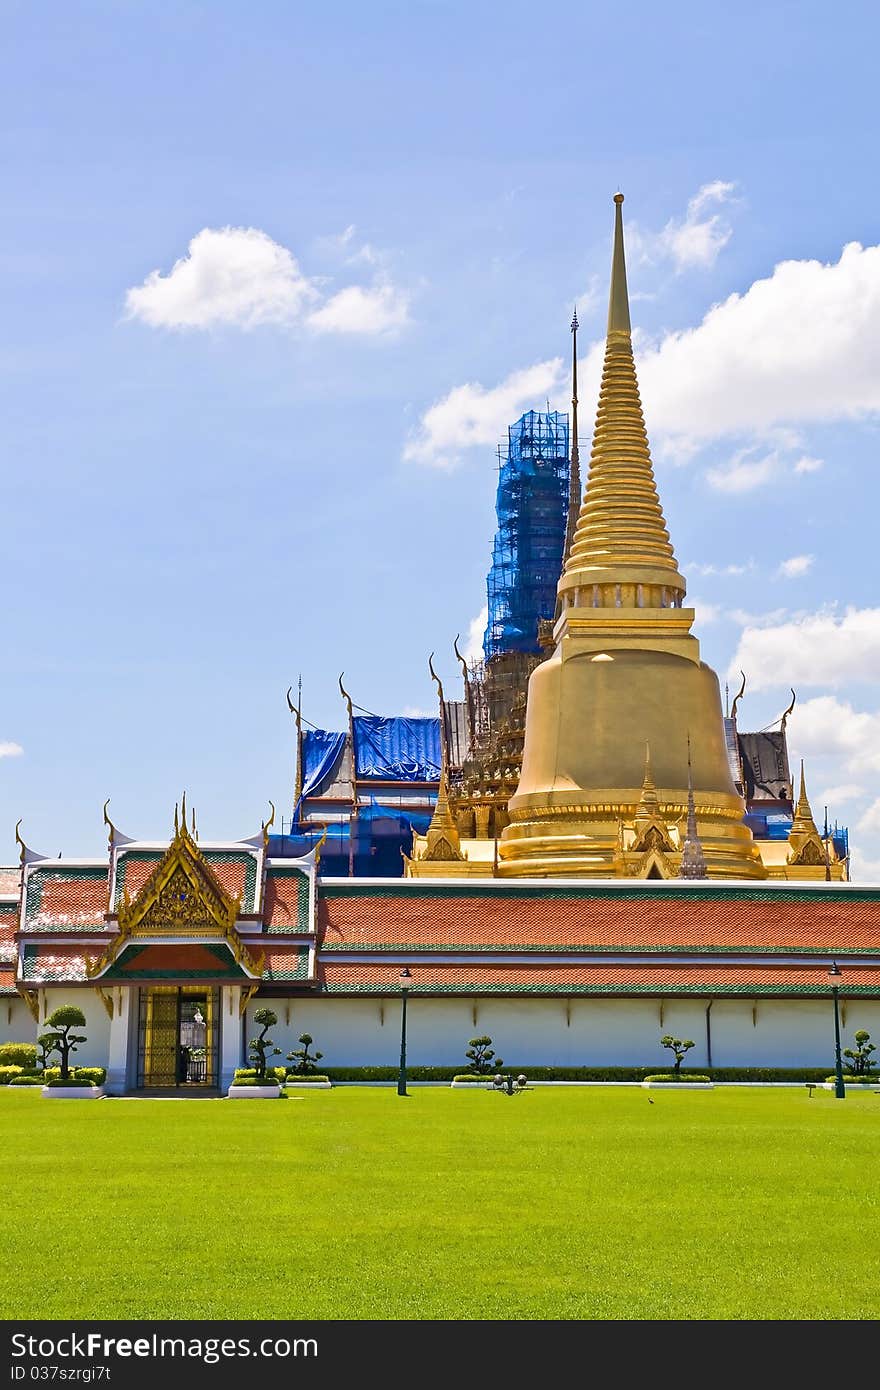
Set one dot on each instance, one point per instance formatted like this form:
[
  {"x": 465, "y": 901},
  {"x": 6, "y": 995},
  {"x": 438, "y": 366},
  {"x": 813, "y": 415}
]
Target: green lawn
[{"x": 570, "y": 1203}]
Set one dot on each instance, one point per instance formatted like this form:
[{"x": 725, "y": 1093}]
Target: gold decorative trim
[
  {"x": 32, "y": 999},
  {"x": 106, "y": 999},
  {"x": 247, "y": 994}
]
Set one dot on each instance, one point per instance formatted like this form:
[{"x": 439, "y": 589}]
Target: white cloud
[
  {"x": 798, "y": 347},
  {"x": 379, "y": 309},
  {"x": 11, "y": 750},
  {"x": 835, "y": 796},
  {"x": 744, "y": 473},
  {"x": 719, "y": 569},
  {"x": 416, "y": 712},
  {"x": 473, "y": 650},
  {"x": 694, "y": 240},
  {"x": 746, "y": 619},
  {"x": 796, "y": 566},
  {"x": 824, "y": 648},
  {"x": 472, "y": 414},
  {"x": 239, "y": 276},
  {"x": 230, "y": 275},
  {"x": 706, "y": 612},
  {"x": 869, "y": 823},
  {"x": 826, "y": 727}
]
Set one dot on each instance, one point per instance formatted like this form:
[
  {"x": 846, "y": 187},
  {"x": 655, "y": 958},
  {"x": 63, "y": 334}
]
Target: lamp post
[
  {"x": 835, "y": 976},
  {"x": 405, "y": 982}
]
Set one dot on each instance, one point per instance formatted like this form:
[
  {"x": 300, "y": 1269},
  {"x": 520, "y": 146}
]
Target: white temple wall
[
  {"x": 16, "y": 1023},
  {"x": 579, "y": 1032}
]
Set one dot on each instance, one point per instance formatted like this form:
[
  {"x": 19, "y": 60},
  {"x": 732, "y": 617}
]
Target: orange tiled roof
[
  {"x": 235, "y": 871},
  {"x": 66, "y": 899},
  {"x": 10, "y": 880},
  {"x": 286, "y": 901},
  {"x": 45, "y": 964},
  {"x": 7, "y": 982},
  {"x": 710, "y": 978},
  {"x": 8, "y": 928},
  {"x": 626, "y": 921}
]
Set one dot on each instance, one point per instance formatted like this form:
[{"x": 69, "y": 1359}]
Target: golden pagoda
[{"x": 625, "y": 671}]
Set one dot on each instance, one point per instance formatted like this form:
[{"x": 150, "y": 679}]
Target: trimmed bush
[
  {"x": 8, "y": 1074},
  {"x": 535, "y": 1073},
  {"x": 28, "y": 1079},
  {"x": 472, "y": 1077},
  {"x": 68, "y": 1083},
  {"x": 21, "y": 1055},
  {"x": 90, "y": 1076},
  {"x": 250, "y": 1076},
  {"x": 295, "y": 1078},
  {"x": 677, "y": 1076},
  {"x": 863, "y": 1079}
]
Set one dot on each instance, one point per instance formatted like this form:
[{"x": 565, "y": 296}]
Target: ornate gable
[{"x": 181, "y": 899}]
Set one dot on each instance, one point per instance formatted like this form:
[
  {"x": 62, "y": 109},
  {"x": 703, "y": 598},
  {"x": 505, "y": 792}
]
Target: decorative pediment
[{"x": 182, "y": 900}]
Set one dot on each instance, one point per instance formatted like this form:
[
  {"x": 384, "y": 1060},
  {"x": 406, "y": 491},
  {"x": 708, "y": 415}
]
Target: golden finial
[
  {"x": 266, "y": 825},
  {"x": 176, "y": 824},
  {"x": 618, "y": 302},
  {"x": 318, "y": 847},
  {"x": 738, "y": 696},
  {"x": 183, "y": 812},
  {"x": 193, "y": 820},
  {"x": 20, "y": 841},
  {"x": 787, "y": 713},
  {"x": 111, "y": 828},
  {"x": 436, "y": 679},
  {"x": 649, "y": 801},
  {"x": 345, "y": 695}
]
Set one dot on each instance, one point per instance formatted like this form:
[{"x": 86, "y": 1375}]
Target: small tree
[
  {"x": 678, "y": 1047},
  {"x": 861, "y": 1061},
  {"x": 44, "y": 1048},
  {"x": 60, "y": 1039},
  {"x": 305, "y": 1060},
  {"x": 262, "y": 1047},
  {"x": 481, "y": 1058}
]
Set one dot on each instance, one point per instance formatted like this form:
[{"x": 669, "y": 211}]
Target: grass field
[{"x": 354, "y": 1203}]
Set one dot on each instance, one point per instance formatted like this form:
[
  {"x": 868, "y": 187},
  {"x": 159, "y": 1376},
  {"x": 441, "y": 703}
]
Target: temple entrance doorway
[{"x": 178, "y": 1037}]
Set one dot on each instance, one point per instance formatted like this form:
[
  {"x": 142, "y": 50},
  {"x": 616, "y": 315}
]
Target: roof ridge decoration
[{"x": 182, "y": 897}]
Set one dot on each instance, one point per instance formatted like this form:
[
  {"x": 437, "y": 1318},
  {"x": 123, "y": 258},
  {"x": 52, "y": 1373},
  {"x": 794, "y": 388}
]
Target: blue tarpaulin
[
  {"x": 321, "y": 751},
  {"x": 396, "y": 749}
]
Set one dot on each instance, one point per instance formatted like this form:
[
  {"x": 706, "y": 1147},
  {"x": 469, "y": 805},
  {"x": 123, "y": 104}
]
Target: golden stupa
[{"x": 625, "y": 673}]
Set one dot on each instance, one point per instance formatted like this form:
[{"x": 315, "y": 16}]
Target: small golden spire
[
  {"x": 443, "y": 839},
  {"x": 693, "y": 860},
  {"x": 574, "y": 478},
  {"x": 805, "y": 843},
  {"x": 649, "y": 802},
  {"x": 620, "y": 538}
]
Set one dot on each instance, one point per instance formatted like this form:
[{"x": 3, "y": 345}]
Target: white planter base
[
  {"x": 73, "y": 1092},
  {"x": 680, "y": 1085},
  {"x": 309, "y": 1085},
  {"x": 472, "y": 1085},
  {"x": 254, "y": 1092}
]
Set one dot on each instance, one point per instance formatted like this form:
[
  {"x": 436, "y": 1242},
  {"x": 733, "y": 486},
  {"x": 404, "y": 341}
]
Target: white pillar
[
  {"x": 120, "y": 1030},
  {"x": 230, "y": 1033}
]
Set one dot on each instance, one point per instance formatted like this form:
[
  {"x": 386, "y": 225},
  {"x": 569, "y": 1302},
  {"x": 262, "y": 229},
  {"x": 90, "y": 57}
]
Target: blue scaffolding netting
[{"x": 532, "y": 510}]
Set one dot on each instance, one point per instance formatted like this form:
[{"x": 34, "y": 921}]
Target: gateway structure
[{"x": 594, "y": 874}]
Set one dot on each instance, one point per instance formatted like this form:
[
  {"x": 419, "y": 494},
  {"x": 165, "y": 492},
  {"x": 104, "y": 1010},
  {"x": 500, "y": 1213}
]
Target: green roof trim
[
  {"x": 299, "y": 970},
  {"x": 715, "y": 991}
]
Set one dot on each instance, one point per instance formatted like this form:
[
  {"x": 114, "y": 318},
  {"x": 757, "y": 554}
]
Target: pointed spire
[
  {"x": 693, "y": 861},
  {"x": 620, "y": 538},
  {"x": 649, "y": 802},
  {"x": 618, "y": 300},
  {"x": 574, "y": 476},
  {"x": 443, "y": 839},
  {"x": 805, "y": 842}
]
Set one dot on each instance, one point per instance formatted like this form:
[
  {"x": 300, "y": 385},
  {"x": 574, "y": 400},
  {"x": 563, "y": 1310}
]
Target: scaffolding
[{"x": 532, "y": 511}]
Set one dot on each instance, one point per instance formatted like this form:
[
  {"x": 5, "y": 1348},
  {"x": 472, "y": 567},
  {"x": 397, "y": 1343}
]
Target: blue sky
[{"x": 274, "y": 279}]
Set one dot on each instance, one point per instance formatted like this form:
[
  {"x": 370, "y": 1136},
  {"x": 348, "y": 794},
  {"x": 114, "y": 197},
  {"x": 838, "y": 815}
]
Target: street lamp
[
  {"x": 835, "y": 976},
  {"x": 405, "y": 982}
]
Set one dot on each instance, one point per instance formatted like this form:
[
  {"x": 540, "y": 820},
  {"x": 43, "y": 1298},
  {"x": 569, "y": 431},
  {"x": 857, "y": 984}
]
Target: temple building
[{"x": 574, "y": 867}]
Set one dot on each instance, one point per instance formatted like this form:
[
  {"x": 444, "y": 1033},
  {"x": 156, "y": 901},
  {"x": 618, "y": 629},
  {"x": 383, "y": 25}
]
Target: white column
[
  {"x": 120, "y": 1029},
  {"x": 230, "y": 1033}
]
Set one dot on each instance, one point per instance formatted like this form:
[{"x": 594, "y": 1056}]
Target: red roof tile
[
  {"x": 231, "y": 870},
  {"x": 66, "y": 899},
  {"x": 7, "y": 982},
  {"x": 286, "y": 901},
  {"x": 514, "y": 922},
  {"x": 710, "y": 978}
]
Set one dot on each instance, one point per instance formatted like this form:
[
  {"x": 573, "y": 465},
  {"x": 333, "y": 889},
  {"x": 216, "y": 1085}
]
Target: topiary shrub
[
  {"x": 250, "y": 1076},
  {"x": 8, "y": 1074},
  {"x": 297, "y": 1079},
  {"x": 679, "y": 1047},
  {"x": 305, "y": 1061},
  {"x": 60, "y": 1039},
  {"x": 27, "y": 1079},
  {"x": 262, "y": 1047},
  {"x": 852, "y": 1080},
  {"x": 481, "y": 1058},
  {"x": 860, "y": 1056},
  {"x": 90, "y": 1076},
  {"x": 22, "y": 1055}
]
